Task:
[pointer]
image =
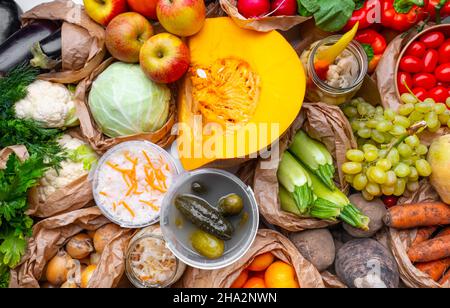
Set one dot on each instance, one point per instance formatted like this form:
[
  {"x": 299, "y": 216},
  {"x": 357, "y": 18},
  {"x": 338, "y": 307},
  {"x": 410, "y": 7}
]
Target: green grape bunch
[{"x": 390, "y": 158}]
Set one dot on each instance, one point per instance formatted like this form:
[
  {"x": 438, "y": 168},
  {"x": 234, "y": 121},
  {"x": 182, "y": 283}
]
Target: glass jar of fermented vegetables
[
  {"x": 149, "y": 263},
  {"x": 344, "y": 77}
]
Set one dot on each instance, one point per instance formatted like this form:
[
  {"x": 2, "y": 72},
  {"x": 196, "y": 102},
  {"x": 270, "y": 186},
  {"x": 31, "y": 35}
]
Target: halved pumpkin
[{"x": 243, "y": 90}]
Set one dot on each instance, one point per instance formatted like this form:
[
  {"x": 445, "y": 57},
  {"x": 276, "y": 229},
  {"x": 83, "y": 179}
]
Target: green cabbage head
[{"x": 124, "y": 102}]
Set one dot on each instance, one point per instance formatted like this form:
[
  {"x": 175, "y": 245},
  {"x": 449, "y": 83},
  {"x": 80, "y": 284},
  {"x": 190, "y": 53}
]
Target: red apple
[
  {"x": 253, "y": 8},
  {"x": 284, "y": 7},
  {"x": 181, "y": 17},
  {"x": 103, "y": 11},
  {"x": 144, "y": 7},
  {"x": 126, "y": 34},
  {"x": 164, "y": 58}
]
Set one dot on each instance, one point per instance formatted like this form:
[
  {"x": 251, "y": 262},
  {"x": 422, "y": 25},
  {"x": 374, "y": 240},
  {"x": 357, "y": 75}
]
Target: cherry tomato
[
  {"x": 390, "y": 201},
  {"x": 433, "y": 39},
  {"x": 424, "y": 80},
  {"x": 416, "y": 49},
  {"x": 439, "y": 94},
  {"x": 430, "y": 61},
  {"x": 411, "y": 64},
  {"x": 421, "y": 93},
  {"x": 444, "y": 52},
  {"x": 443, "y": 72},
  {"x": 403, "y": 77}
]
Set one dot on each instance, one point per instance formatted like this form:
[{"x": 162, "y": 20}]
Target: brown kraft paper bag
[
  {"x": 261, "y": 24},
  {"x": 94, "y": 136},
  {"x": 51, "y": 234},
  {"x": 265, "y": 241},
  {"x": 400, "y": 240},
  {"x": 83, "y": 40},
  {"x": 324, "y": 123}
]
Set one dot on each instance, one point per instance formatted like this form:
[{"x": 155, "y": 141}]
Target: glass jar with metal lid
[
  {"x": 332, "y": 91},
  {"x": 149, "y": 263}
]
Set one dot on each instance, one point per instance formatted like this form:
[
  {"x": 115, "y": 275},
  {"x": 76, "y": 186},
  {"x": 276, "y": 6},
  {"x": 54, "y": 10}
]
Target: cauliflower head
[
  {"x": 79, "y": 162},
  {"x": 48, "y": 103}
]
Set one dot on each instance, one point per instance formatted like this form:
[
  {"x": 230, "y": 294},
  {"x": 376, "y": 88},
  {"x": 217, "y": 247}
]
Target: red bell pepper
[
  {"x": 363, "y": 15},
  {"x": 438, "y": 6},
  {"x": 376, "y": 41},
  {"x": 401, "y": 15}
]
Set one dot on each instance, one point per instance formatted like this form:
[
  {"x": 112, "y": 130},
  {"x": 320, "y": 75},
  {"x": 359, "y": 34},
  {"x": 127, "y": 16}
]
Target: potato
[
  {"x": 365, "y": 263},
  {"x": 317, "y": 246},
  {"x": 104, "y": 235},
  {"x": 375, "y": 210}
]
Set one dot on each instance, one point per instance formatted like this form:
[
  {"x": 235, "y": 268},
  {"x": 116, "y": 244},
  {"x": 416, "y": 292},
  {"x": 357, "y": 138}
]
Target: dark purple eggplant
[
  {"x": 9, "y": 19},
  {"x": 47, "y": 53},
  {"x": 17, "y": 48}
]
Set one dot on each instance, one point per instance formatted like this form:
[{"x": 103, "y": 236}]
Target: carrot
[
  {"x": 417, "y": 215},
  {"x": 445, "y": 279},
  {"x": 423, "y": 234},
  {"x": 434, "y": 269},
  {"x": 435, "y": 249}
]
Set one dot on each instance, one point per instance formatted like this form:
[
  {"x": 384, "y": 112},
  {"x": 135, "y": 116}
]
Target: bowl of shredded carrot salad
[{"x": 130, "y": 182}]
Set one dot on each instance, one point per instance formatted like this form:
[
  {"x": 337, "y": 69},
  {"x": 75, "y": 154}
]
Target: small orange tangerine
[
  {"x": 241, "y": 280},
  {"x": 281, "y": 275},
  {"x": 254, "y": 283},
  {"x": 261, "y": 262}
]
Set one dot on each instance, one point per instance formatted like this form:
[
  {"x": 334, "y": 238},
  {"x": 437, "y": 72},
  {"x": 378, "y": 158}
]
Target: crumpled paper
[
  {"x": 322, "y": 122},
  {"x": 83, "y": 40},
  {"x": 51, "y": 234},
  {"x": 265, "y": 241}
]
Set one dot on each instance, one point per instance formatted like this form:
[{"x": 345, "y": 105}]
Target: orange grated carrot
[
  {"x": 103, "y": 193},
  {"x": 150, "y": 204},
  {"x": 125, "y": 205},
  {"x": 114, "y": 206}
]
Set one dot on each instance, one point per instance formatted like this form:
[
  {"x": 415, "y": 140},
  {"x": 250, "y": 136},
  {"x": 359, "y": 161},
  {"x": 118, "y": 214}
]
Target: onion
[
  {"x": 58, "y": 268},
  {"x": 79, "y": 246},
  {"x": 87, "y": 275},
  {"x": 104, "y": 235},
  {"x": 95, "y": 258}
]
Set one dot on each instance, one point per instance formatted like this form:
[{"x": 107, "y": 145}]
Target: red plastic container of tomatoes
[{"x": 422, "y": 61}]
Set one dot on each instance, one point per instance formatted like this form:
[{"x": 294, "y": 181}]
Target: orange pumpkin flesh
[{"x": 252, "y": 90}]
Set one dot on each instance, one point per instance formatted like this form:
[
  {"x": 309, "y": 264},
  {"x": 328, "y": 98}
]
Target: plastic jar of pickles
[
  {"x": 344, "y": 77},
  {"x": 149, "y": 263}
]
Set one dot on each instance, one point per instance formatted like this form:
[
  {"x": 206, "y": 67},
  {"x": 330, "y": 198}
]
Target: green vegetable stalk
[
  {"x": 287, "y": 202},
  {"x": 333, "y": 204},
  {"x": 295, "y": 179},
  {"x": 315, "y": 156}
]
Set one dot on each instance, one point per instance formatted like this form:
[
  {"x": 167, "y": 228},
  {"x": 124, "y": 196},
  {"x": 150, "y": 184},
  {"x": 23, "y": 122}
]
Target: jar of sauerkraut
[
  {"x": 344, "y": 77},
  {"x": 149, "y": 263}
]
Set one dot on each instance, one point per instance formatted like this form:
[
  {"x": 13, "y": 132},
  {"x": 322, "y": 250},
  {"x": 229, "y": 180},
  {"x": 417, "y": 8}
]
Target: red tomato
[
  {"x": 411, "y": 64},
  {"x": 403, "y": 77},
  {"x": 430, "y": 61},
  {"x": 424, "y": 80},
  {"x": 416, "y": 49},
  {"x": 443, "y": 72},
  {"x": 439, "y": 94},
  {"x": 420, "y": 93},
  {"x": 444, "y": 52},
  {"x": 433, "y": 39}
]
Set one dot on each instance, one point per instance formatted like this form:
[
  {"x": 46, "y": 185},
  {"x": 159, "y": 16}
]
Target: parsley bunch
[{"x": 18, "y": 177}]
